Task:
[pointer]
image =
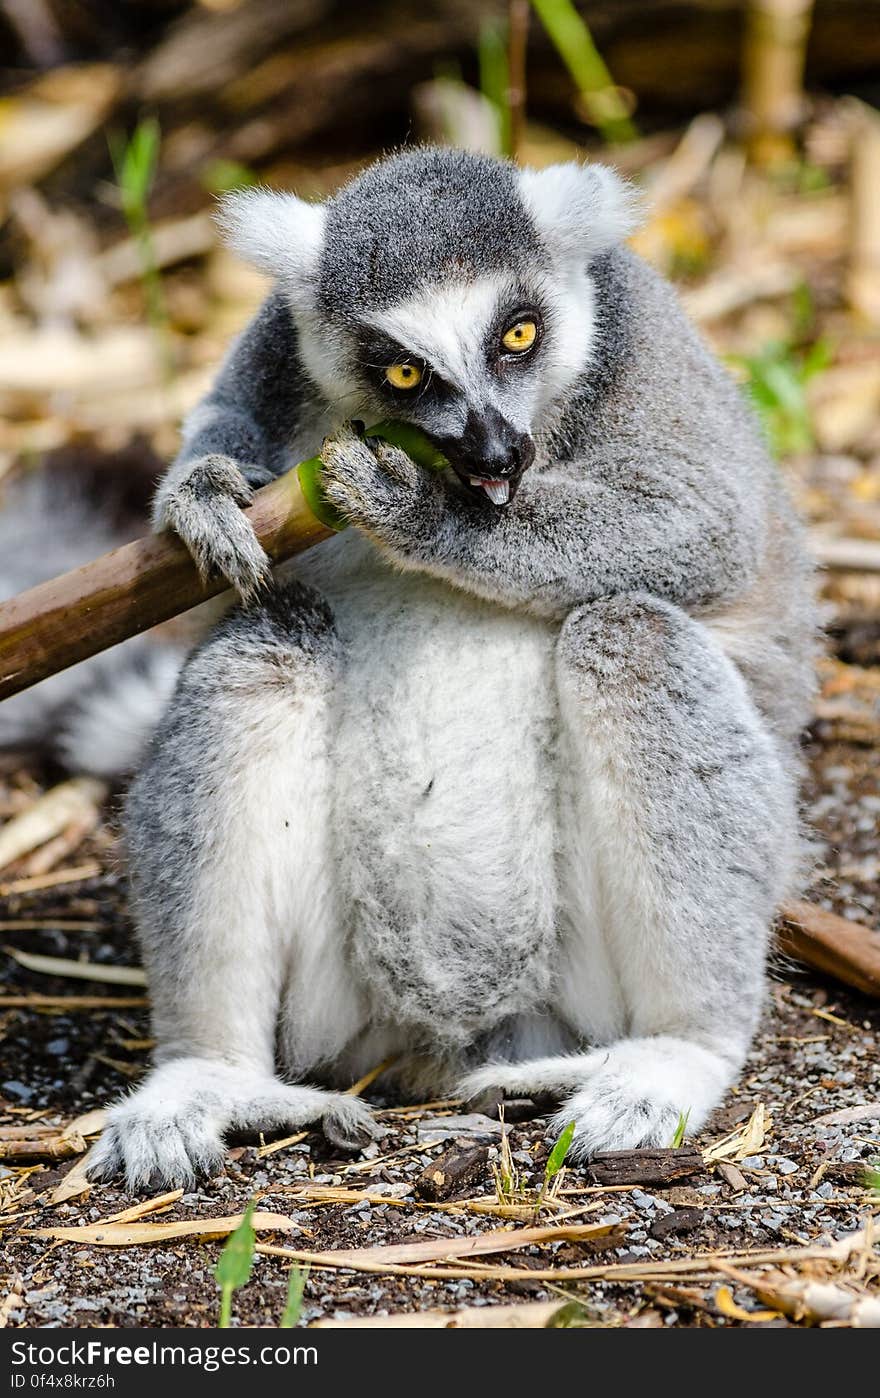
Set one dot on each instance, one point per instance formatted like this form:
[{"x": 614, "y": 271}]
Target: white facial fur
[{"x": 448, "y": 326}]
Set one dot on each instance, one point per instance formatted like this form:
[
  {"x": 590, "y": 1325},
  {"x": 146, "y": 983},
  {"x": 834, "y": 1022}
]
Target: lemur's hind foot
[{"x": 171, "y": 1131}]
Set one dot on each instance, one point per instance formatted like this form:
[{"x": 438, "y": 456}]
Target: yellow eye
[
  {"x": 403, "y": 375},
  {"x": 520, "y": 336}
]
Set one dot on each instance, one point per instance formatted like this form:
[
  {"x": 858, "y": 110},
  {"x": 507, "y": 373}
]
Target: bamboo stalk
[
  {"x": 601, "y": 100},
  {"x": 863, "y": 276},
  {"x": 123, "y": 593},
  {"x": 775, "y": 51}
]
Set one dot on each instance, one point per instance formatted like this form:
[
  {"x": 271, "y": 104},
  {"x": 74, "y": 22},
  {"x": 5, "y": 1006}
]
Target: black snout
[{"x": 489, "y": 447}]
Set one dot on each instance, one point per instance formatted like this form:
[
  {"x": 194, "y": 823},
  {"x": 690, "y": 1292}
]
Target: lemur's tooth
[{"x": 497, "y": 491}]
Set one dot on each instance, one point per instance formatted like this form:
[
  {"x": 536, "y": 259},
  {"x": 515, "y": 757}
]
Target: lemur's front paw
[
  {"x": 375, "y": 485},
  {"x": 170, "y": 1132},
  {"x": 205, "y": 510},
  {"x": 349, "y": 1123},
  {"x": 632, "y": 1093},
  {"x": 155, "y": 1147}
]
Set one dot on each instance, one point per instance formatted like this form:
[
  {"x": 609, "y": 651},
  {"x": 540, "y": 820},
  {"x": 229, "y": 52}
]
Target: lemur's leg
[
  {"x": 691, "y": 817},
  {"x": 232, "y": 877}
]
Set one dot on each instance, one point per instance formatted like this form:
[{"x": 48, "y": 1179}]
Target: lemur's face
[
  {"x": 448, "y": 290},
  {"x": 469, "y": 362}
]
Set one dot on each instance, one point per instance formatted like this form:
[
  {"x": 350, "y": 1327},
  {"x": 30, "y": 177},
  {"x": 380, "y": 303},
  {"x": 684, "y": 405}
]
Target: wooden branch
[
  {"x": 28, "y": 1148},
  {"x": 451, "y": 1171},
  {"x": 831, "y": 944},
  {"x": 649, "y": 1165},
  {"x": 123, "y": 593}
]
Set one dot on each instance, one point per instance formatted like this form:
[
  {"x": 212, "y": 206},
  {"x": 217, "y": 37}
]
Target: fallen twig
[
  {"x": 867, "y": 1111},
  {"x": 700, "y": 1264},
  {"x": 648, "y": 1166},
  {"x": 78, "y": 970},
  {"x": 523, "y": 1315},
  {"x": 35, "y": 883},
  {"x": 73, "y": 1002},
  {"x": 122, "y": 1235},
  {"x": 832, "y": 944},
  {"x": 57, "y": 1147},
  {"x": 451, "y": 1171},
  {"x": 51, "y": 813},
  {"x": 810, "y": 1300}
]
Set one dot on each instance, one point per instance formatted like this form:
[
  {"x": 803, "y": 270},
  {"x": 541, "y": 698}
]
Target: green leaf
[
  {"x": 135, "y": 166},
  {"x": 495, "y": 79},
  {"x": 680, "y": 1128},
  {"x": 574, "y": 43},
  {"x": 817, "y": 358},
  {"x": 776, "y": 383},
  {"x": 235, "y": 1262},
  {"x": 237, "y": 1258},
  {"x": 558, "y": 1153},
  {"x": 296, "y": 1285}
]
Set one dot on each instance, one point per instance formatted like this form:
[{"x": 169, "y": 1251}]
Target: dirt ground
[{"x": 816, "y": 1054}]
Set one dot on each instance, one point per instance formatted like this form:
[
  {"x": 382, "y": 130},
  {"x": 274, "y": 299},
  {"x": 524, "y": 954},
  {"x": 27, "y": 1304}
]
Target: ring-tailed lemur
[{"x": 503, "y": 779}]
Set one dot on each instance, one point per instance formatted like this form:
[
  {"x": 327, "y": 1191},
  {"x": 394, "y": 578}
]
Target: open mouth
[{"x": 489, "y": 456}]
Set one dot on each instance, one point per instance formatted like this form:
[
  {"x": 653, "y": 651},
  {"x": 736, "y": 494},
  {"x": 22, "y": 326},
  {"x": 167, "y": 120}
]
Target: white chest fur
[{"x": 445, "y": 796}]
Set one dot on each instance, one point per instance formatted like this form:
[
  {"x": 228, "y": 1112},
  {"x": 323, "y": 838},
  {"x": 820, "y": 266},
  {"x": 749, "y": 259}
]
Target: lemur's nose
[{"x": 492, "y": 446}]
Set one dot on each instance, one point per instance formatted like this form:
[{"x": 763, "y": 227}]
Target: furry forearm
[
  {"x": 218, "y": 429},
  {"x": 249, "y": 417},
  {"x": 564, "y": 542}
]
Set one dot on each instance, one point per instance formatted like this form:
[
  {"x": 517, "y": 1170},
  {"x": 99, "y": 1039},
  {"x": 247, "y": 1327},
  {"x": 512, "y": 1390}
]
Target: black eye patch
[
  {"x": 512, "y": 313},
  {"x": 375, "y": 352}
]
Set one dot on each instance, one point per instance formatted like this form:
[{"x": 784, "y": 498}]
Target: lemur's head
[{"x": 447, "y": 289}]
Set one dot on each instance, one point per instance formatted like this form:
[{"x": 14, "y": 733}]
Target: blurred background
[{"x": 751, "y": 126}]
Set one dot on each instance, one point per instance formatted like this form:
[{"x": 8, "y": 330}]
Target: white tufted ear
[
  {"x": 580, "y": 210},
  {"x": 278, "y": 233}
]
